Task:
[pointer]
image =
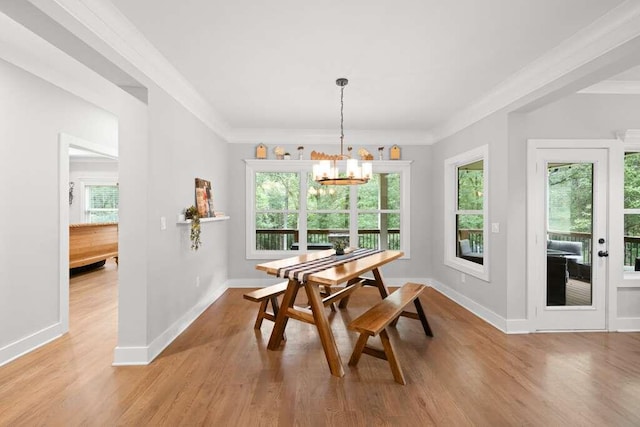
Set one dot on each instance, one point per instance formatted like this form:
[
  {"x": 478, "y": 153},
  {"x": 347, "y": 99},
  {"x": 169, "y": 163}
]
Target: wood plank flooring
[{"x": 220, "y": 373}]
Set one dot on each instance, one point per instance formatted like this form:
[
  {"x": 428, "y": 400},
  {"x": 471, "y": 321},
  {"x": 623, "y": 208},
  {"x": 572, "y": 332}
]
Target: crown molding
[
  {"x": 613, "y": 87},
  {"x": 323, "y": 136},
  {"x": 612, "y": 30},
  {"x": 111, "y": 28}
]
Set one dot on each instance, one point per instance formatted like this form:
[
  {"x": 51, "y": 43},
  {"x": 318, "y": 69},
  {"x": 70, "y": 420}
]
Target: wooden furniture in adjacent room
[{"x": 92, "y": 243}]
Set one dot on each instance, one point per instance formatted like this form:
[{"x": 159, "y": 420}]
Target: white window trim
[
  {"x": 89, "y": 182},
  {"x": 403, "y": 167},
  {"x": 451, "y": 165}
]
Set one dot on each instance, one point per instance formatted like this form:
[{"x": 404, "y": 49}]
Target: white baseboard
[
  {"x": 125, "y": 356},
  {"x": 27, "y": 344},
  {"x": 482, "y": 312},
  {"x": 130, "y": 356},
  {"x": 628, "y": 324},
  {"x": 518, "y": 326}
]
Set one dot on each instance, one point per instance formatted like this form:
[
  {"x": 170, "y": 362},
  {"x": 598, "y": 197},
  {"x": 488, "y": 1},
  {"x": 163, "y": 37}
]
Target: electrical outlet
[
  {"x": 463, "y": 277},
  {"x": 495, "y": 227},
  {"x": 197, "y": 281},
  {"x": 163, "y": 223}
]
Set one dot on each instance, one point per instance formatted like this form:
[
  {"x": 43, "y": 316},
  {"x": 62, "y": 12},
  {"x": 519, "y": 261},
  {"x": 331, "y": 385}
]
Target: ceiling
[{"x": 411, "y": 64}]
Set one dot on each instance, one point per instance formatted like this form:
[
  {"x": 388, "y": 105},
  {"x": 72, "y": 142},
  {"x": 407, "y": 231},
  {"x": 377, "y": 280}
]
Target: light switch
[
  {"x": 163, "y": 223},
  {"x": 495, "y": 227}
]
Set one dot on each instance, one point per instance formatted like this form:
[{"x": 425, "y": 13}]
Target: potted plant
[
  {"x": 192, "y": 213},
  {"x": 287, "y": 156},
  {"x": 340, "y": 245}
]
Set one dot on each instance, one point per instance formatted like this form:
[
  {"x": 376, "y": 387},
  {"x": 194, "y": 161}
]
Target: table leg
[
  {"x": 277, "y": 334},
  {"x": 384, "y": 292},
  {"x": 324, "y": 330}
]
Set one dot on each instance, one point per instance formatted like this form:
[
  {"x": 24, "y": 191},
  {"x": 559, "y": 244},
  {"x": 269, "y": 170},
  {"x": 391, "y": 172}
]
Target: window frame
[
  {"x": 85, "y": 183},
  {"x": 451, "y": 165},
  {"x": 303, "y": 168},
  {"x": 629, "y": 277}
]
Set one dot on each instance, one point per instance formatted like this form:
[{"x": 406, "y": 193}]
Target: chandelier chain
[{"x": 341, "y": 120}]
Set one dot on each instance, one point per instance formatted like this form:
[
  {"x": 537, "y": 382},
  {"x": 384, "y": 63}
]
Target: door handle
[{"x": 603, "y": 253}]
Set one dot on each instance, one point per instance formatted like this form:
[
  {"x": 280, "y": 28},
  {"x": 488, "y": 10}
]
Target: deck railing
[
  {"x": 279, "y": 240},
  {"x": 631, "y": 245}
]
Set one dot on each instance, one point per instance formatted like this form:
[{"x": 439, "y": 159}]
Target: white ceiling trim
[
  {"x": 323, "y": 136},
  {"x": 613, "y": 87},
  {"x": 107, "y": 23},
  {"x": 612, "y": 30}
]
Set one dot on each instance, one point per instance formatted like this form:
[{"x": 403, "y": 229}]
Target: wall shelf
[{"x": 202, "y": 220}]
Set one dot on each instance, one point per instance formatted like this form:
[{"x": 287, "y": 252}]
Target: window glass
[
  {"x": 289, "y": 211},
  {"x": 379, "y": 231},
  {"x": 632, "y": 211},
  {"x": 470, "y": 224},
  {"x": 277, "y": 210},
  {"x": 102, "y": 203},
  {"x": 277, "y": 191},
  {"x": 470, "y": 186},
  {"x": 381, "y": 192}
]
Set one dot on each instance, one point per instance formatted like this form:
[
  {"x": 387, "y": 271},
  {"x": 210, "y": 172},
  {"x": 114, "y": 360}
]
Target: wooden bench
[
  {"x": 264, "y": 296},
  {"x": 375, "y": 321},
  {"x": 92, "y": 243}
]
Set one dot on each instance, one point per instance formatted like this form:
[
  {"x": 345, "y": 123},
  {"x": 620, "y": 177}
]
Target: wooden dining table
[{"x": 324, "y": 268}]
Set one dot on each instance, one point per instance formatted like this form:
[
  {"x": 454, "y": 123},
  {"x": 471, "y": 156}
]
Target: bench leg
[
  {"x": 261, "y": 314},
  {"x": 357, "y": 350},
  {"x": 276, "y": 308},
  {"x": 391, "y": 358},
  {"x": 423, "y": 317}
]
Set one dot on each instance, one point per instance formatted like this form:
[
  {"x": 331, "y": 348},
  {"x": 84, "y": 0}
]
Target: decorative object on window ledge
[
  {"x": 365, "y": 154},
  {"x": 394, "y": 153},
  {"x": 192, "y": 213},
  {"x": 279, "y": 152},
  {"x": 327, "y": 174},
  {"x": 287, "y": 156},
  {"x": 71, "y": 185},
  {"x": 380, "y": 153},
  {"x": 261, "y": 151},
  {"x": 300, "y": 152}
]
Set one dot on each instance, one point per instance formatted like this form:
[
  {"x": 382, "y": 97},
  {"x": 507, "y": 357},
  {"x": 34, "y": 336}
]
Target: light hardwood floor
[{"x": 220, "y": 373}]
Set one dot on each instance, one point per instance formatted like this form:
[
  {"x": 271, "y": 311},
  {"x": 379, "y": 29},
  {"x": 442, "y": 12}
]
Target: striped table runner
[{"x": 301, "y": 271}]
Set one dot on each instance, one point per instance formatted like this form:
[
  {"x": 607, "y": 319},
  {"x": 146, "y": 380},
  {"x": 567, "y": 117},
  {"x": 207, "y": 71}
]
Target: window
[
  {"x": 466, "y": 219},
  {"x": 101, "y": 202},
  {"x": 289, "y": 212},
  {"x": 632, "y": 211}
]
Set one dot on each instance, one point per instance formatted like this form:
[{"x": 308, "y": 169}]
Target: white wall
[
  {"x": 162, "y": 148},
  {"x": 487, "y": 298},
  {"x": 243, "y": 271},
  {"x": 33, "y": 113},
  {"x": 182, "y": 148},
  {"x": 91, "y": 170}
]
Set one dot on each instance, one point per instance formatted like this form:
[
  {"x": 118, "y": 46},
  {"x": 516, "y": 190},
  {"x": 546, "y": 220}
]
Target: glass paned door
[{"x": 571, "y": 242}]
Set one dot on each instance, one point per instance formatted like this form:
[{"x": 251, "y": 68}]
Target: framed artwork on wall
[{"x": 204, "y": 198}]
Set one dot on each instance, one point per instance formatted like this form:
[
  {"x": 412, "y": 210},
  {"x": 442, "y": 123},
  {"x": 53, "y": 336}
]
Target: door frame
[
  {"x": 614, "y": 187},
  {"x": 65, "y": 141}
]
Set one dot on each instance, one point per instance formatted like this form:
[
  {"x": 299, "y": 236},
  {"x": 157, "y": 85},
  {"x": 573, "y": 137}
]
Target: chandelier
[{"x": 326, "y": 171}]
